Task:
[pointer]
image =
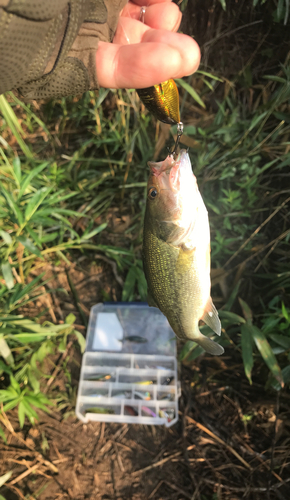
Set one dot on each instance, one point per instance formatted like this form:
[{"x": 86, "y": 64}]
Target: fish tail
[{"x": 207, "y": 344}]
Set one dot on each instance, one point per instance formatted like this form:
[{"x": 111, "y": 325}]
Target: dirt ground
[{"x": 231, "y": 441}]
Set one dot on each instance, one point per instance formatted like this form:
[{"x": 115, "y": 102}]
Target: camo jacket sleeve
[{"x": 48, "y": 47}]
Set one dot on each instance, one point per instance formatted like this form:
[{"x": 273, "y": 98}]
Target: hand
[{"x": 145, "y": 54}]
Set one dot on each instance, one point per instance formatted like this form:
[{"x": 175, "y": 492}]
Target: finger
[
  {"x": 145, "y": 3},
  {"x": 165, "y": 15},
  {"x": 129, "y": 31},
  {"x": 146, "y": 64}
]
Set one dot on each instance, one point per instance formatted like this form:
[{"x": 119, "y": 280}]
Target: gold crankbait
[{"x": 162, "y": 100}]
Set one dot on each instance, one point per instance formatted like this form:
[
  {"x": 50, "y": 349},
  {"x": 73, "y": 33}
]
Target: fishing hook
[{"x": 179, "y": 134}]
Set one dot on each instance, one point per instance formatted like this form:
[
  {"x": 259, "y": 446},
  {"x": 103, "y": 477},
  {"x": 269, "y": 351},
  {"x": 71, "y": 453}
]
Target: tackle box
[{"x": 129, "y": 369}]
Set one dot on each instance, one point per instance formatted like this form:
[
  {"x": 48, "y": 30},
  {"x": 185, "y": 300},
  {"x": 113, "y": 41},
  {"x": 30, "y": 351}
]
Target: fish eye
[{"x": 152, "y": 193}]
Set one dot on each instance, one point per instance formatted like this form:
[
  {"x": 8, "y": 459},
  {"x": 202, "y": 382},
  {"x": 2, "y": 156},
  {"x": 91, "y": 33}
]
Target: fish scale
[{"x": 175, "y": 294}]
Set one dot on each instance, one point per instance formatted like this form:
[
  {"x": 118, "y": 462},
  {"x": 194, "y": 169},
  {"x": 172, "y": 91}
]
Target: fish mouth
[
  {"x": 179, "y": 170},
  {"x": 171, "y": 171}
]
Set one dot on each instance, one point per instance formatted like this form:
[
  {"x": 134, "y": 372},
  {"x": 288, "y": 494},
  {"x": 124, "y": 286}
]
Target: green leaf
[
  {"x": 286, "y": 377},
  {"x": 232, "y": 296},
  {"x": 285, "y": 312},
  {"x": 281, "y": 340},
  {"x": 26, "y": 338},
  {"x": 14, "y": 125},
  {"x": 257, "y": 120},
  {"x": 17, "y": 212},
  {"x": 141, "y": 284},
  {"x": 5, "y": 351},
  {"x": 191, "y": 91},
  {"x": 234, "y": 319},
  {"x": 247, "y": 350},
  {"x": 70, "y": 319},
  {"x": 27, "y": 243},
  {"x": 34, "y": 381},
  {"x": 30, "y": 412},
  {"x": 35, "y": 201},
  {"x": 7, "y": 275},
  {"x": 210, "y": 75},
  {"x": 6, "y": 237},
  {"x": 186, "y": 349},
  {"x": 195, "y": 353},
  {"x": 223, "y": 4},
  {"x": 246, "y": 311},
  {"x": 95, "y": 231},
  {"x": 21, "y": 414},
  {"x": 81, "y": 340},
  {"x": 2, "y": 435},
  {"x": 14, "y": 384},
  {"x": 17, "y": 170},
  {"x": 129, "y": 285},
  {"x": 5, "y": 477},
  {"x": 29, "y": 177},
  {"x": 266, "y": 352}
]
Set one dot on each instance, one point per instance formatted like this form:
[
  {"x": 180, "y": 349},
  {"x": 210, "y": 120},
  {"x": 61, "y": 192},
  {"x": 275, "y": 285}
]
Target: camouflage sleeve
[{"x": 48, "y": 47}]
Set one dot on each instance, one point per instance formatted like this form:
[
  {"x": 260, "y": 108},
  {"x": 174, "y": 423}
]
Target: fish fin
[
  {"x": 207, "y": 344},
  {"x": 184, "y": 260},
  {"x": 211, "y": 318},
  {"x": 151, "y": 301}
]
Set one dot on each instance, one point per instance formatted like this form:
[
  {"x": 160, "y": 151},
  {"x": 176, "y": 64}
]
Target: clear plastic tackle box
[{"x": 129, "y": 368}]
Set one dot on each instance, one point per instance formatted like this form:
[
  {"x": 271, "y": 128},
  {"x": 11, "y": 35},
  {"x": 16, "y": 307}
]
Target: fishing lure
[
  {"x": 134, "y": 338},
  {"x": 147, "y": 410},
  {"x": 131, "y": 411},
  {"x": 162, "y": 100},
  {"x": 145, "y": 382},
  {"x": 167, "y": 381},
  {"x": 146, "y": 395},
  {"x": 97, "y": 409},
  {"x": 99, "y": 378}
]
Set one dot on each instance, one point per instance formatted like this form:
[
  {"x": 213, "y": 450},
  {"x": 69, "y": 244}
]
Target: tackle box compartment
[{"x": 129, "y": 369}]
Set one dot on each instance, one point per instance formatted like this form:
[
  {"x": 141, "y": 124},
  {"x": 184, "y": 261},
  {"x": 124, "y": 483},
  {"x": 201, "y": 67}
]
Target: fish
[
  {"x": 176, "y": 250},
  {"x": 162, "y": 101}
]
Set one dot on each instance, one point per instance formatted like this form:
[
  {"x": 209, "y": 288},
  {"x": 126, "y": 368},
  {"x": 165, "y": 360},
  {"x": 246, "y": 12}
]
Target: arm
[{"x": 48, "y": 47}]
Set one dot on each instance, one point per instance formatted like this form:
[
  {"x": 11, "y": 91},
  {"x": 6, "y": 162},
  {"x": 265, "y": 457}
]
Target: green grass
[{"x": 89, "y": 159}]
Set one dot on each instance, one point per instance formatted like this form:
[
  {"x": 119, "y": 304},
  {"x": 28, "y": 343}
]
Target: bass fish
[{"x": 176, "y": 251}]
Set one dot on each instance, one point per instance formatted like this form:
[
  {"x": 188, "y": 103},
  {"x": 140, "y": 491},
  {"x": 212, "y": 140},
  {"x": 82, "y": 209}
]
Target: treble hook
[{"x": 179, "y": 134}]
